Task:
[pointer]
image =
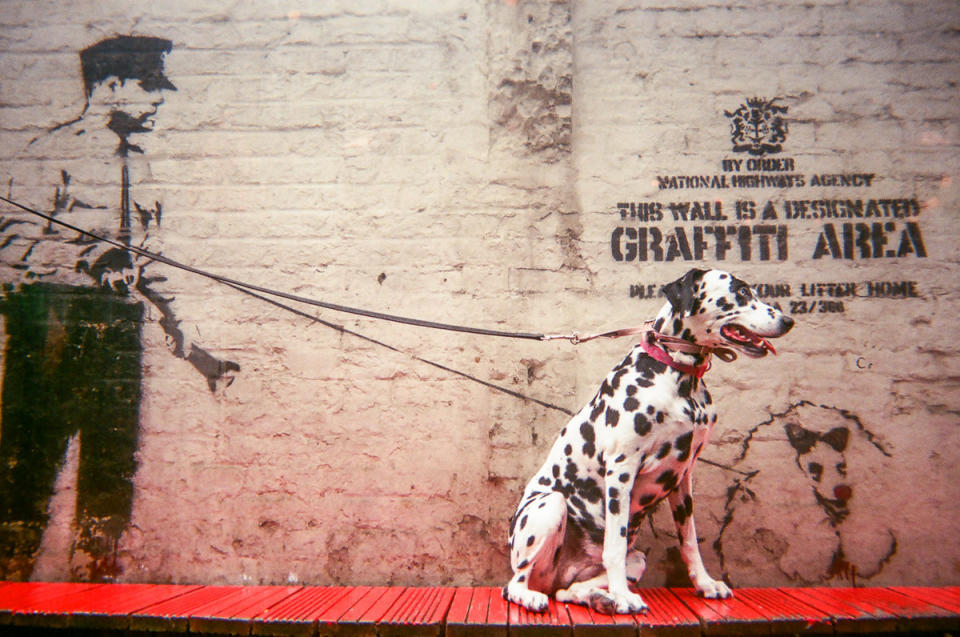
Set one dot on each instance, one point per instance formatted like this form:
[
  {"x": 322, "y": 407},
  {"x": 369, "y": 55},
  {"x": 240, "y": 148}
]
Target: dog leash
[
  {"x": 575, "y": 337},
  {"x": 657, "y": 346}
]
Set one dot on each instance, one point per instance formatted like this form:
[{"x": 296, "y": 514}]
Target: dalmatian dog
[{"x": 631, "y": 446}]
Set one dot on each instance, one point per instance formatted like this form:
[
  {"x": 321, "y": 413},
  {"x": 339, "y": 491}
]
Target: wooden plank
[
  {"x": 477, "y": 612},
  {"x": 786, "y": 614},
  {"x": 553, "y": 621},
  {"x": 233, "y": 613},
  {"x": 173, "y": 615},
  {"x": 913, "y": 614},
  {"x": 327, "y": 618},
  {"x": 360, "y": 620},
  {"x": 41, "y": 603},
  {"x": 845, "y": 616},
  {"x": 667, "y": 616},
  {"x": 109, "y": 608},
  {"x": 498, "y": 609},
  {"x": 731, "y": 616},
  {"x": 941, "y": 597},
  {"x": 297, "y": 614},
  {"x": 587, "y": 622},
  {"x": 418, "y": 611}
]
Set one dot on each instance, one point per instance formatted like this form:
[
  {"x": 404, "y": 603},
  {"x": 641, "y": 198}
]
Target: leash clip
[{"x": 573, "y": 338}]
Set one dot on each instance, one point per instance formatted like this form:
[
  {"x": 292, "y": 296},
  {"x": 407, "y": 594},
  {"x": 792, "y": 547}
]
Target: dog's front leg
[
  {"x": 615, "y": 544},
  {"x": 681, "y": 503}
]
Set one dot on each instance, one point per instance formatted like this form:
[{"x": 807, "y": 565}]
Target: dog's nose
[
  {"x": 786, "y": 323},
  {"x": 843, "y": 493}
]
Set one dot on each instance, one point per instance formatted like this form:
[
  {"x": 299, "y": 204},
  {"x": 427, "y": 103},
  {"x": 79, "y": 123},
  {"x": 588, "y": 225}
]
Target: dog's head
[
  {"x": 715, "y": 309},
  {"x": 821, "y": 457}
]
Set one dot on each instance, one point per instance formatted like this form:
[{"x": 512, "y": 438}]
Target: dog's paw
[
  {"x": 531, "y": 600},
  {"x": 713, "y": 589},
  {"x": 617, "y": 603}
]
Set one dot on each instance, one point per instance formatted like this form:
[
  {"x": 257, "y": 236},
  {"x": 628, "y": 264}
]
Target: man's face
[{"x": 128, "y": 97}]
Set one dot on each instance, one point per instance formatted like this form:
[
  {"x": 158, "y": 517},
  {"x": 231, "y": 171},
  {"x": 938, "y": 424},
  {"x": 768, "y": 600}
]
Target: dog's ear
[
  {"x": 801, "y": 439},
  {"x": 680, "y": 292},
  {"x": 837, "y": 438}
]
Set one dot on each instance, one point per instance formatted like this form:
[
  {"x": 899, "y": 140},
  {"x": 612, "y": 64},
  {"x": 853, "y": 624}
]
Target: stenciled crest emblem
[{"x": 758, "y": 126}]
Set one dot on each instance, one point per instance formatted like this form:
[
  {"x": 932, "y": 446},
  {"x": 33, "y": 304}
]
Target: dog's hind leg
[
  {"x": 594, "y": 592},
  {"x": 536, "y": 538}
]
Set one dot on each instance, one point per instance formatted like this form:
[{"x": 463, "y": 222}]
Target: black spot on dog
[
  {"x": 595, "y": 414},
  {"x": 590, "y": 490},
  {"x": 612, "y": 502},
  {"x": 707, "y": 398},
  {"x": 613, "y": 417},
  {"x": 568, "y": 450},
  {"x": 664, "y": 450},
  {"x": 523, "y": 564},
  {"x": 522, "y": 578},
  {"x": 683, "y": 445},
  {"x": 586, "y": 431},
  {"x": 679, "y": 515},
  {"x": 631, "y": 390},
  {"x": 631, "y": 403},
  {"x": 624, "y": 477},
  {"x": 531, "y": 540},
  {"x": 646, "y": 500},
  {"x": 641, "y": 425},
  {"x": 660, "y": 417},
  {"x": 648, "y": 368},
  {"x": 615, "y": 381},
  {"x": 545, "y": 481},
  {"x": 556, "y": 469},
  {"x": 623, "y": 531},
  {"x": 620, "y": 459},
  {"x": 657, "y": 325},
  {"x": 523, "y": 522},
  {"x": 668, "y": 479}
]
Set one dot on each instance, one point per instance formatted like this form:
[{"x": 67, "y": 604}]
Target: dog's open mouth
[{"x": 750, "y": 343}]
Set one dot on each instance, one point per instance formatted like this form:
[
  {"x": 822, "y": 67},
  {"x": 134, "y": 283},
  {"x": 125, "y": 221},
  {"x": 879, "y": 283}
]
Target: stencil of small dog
[{"x": 632, "y": 445}]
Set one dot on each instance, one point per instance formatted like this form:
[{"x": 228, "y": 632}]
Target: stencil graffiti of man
[{"x": 73, "y": 306}]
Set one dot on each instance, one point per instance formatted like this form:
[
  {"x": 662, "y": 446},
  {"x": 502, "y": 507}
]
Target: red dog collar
[{"x": 660, "y": 354}]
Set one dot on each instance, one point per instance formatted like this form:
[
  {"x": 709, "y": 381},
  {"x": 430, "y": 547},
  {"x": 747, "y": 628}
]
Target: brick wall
[{"x": 466, "y": 162}]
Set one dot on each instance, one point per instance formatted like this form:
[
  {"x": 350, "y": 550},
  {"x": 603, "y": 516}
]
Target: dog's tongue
[
  {"x": 762, "y": 342},
  {"x": 754, "y": 339},
  {"x": 759, "y": 341}
]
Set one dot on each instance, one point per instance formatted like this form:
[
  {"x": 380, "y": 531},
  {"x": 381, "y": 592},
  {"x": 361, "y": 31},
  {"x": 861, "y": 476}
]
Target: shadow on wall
[{"x": 810, "y": 520}]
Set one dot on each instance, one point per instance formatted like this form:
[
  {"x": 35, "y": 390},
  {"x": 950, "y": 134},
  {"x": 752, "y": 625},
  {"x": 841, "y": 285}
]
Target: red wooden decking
[{"x": 465, "y": 611}]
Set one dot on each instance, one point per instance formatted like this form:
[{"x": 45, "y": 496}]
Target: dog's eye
[
  {"x": 743, "y": 294},
  {"x": 816, "y": 470}
]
